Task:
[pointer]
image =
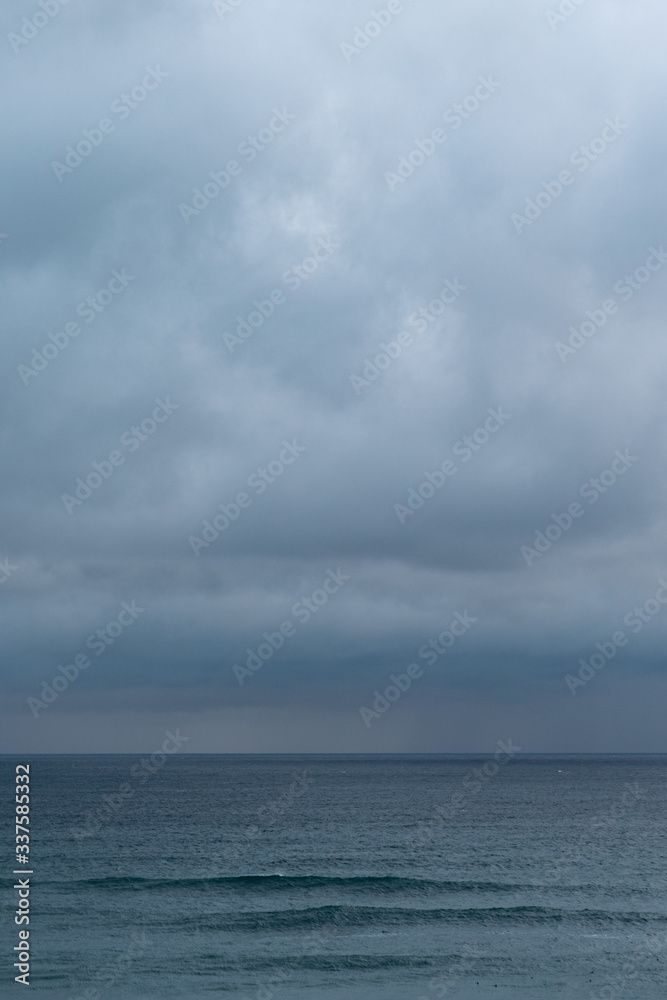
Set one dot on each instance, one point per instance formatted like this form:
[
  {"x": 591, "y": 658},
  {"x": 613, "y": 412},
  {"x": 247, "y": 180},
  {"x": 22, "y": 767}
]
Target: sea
[{"x": 316, "y": 877}]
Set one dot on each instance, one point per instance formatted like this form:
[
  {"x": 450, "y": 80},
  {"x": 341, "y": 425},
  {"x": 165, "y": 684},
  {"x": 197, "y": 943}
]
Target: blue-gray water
[{"x": 337, "y": 877}]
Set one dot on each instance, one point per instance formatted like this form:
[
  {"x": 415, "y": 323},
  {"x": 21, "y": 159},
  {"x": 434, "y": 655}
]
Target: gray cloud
[{"x": 321, "y": 181}]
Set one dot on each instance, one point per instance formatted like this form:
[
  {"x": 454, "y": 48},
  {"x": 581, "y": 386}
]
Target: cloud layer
[{"x": 394, "y": 276}]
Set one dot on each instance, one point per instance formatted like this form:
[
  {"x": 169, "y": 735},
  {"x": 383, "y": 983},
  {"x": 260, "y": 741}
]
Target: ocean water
[{"x": 411, "y": 877}]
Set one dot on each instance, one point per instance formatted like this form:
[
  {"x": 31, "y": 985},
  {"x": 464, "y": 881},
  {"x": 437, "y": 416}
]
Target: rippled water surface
[{"x": 345, "y": 877}]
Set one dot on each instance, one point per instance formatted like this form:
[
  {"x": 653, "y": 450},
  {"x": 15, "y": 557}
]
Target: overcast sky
[{"x": 467, "y": 183}]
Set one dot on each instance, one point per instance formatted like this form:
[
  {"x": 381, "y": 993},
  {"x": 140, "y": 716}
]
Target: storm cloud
[{"x": 300, "y": 292}]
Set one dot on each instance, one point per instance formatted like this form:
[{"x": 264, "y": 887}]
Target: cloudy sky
[{"x": 265, "y": 267}]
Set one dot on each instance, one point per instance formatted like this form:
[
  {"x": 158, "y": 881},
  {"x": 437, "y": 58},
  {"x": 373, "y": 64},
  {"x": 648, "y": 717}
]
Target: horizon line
[{"x": 390, "y": 753}]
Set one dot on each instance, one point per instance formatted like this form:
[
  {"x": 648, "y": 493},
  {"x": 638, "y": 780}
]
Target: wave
[
  {"x": 273, "y": 882},
  {"x": 344, "y": 915}
]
